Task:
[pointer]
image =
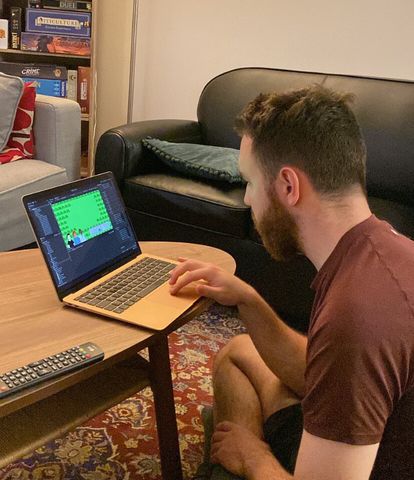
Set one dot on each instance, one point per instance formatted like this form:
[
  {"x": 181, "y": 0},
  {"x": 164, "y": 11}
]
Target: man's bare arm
[
  {"x": 321, "y": 459},
  {"x": 282, "y": 349},
  {"x": 242, "y": 453}
]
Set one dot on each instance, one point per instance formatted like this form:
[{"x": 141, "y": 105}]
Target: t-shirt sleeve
[{"x": 352, "y": 380}]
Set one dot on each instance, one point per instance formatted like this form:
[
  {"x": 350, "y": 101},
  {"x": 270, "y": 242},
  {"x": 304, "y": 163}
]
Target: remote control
[{"x": 49, "y": 367}]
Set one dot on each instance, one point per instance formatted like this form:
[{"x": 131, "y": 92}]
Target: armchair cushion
[
  {"x": 11, "y": 89},
  {"x": 57, "y": 128},
  {"x": 18, "y": 179},
  {"x": 21, "y": 141},
  {"x": 199, "y": 161}
]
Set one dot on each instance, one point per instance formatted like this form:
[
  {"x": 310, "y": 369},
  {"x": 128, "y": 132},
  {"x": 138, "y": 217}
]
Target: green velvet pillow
[{"x": 200, "y": 161}]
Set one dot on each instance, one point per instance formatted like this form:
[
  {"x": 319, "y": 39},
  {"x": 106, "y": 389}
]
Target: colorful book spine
[
  {"x": 72, "y": 86},
  {"x": 15, "y": 27},
  {"x": 84, "y": 88},
  {"x": 4, "y": 34}
]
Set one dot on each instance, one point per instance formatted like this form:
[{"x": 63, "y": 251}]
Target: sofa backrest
[{"x": 384, "y": 109}]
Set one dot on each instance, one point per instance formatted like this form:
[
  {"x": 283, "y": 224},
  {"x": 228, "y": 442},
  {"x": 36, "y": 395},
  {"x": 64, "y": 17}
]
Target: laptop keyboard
[{"x": 129, "y": 286}]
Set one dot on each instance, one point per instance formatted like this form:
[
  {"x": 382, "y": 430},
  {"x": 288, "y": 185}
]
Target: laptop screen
[{"x": 82, "y": 229}]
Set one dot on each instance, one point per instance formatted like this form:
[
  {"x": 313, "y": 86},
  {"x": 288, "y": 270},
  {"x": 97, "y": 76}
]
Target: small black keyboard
[
  {"x": 49, "y": 367},
  {"x": 128, "y": 287}
]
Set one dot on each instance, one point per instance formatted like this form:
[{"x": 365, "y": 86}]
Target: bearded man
[{"x": 337, "y": 404}]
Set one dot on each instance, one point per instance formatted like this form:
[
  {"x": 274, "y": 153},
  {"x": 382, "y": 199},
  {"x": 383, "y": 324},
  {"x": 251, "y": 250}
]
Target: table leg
[{"x": 161, "y": 384}]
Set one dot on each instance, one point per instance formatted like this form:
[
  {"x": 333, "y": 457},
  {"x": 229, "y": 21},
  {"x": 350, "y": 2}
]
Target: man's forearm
[
  {"x": 267, "y": 468},
  {"x": 282, "y": 348}
]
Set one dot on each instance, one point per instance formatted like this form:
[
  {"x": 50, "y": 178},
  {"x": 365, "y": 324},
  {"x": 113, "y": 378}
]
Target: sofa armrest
[
  {"x": 57, "y": 131},
  {"x": 120, "y": 151}
]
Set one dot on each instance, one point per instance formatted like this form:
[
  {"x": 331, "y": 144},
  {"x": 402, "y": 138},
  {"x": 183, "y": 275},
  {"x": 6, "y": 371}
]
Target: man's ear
[{"x": 288, "y": 185}]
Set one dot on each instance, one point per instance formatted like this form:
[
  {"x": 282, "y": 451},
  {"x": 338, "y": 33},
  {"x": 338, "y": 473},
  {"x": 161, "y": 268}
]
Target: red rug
[{"x": 122, "y": 442}]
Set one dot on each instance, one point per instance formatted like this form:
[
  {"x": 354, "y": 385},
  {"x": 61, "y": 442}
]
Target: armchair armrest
[
  {"x": 120, "y": 149},
  {"x": 57, "y": 131}
]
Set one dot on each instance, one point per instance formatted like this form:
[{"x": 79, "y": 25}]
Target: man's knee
[
  {"x": 241, "y": 353},
  {"x": 231, "y": 351}
]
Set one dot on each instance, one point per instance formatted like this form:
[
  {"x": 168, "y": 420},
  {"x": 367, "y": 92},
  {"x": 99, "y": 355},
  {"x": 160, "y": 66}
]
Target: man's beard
[{"x": 278, "y": 231}]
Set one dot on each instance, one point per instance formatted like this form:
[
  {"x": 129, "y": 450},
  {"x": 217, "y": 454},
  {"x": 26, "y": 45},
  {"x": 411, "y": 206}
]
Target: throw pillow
[
  {"x": 11, "y": 89},
  {"x": 200, "y": 161},
  {"x": 21, "y": 142}
]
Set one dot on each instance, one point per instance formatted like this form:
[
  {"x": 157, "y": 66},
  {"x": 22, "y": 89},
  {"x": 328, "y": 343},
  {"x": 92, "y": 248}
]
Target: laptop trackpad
[
  {"x": 159, "y": 309},
  {"x": 162, "y": 295}
]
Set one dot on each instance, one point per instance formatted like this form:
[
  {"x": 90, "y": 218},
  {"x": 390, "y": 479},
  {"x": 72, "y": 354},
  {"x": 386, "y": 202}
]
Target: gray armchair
[{"x": 57, "y": 130}]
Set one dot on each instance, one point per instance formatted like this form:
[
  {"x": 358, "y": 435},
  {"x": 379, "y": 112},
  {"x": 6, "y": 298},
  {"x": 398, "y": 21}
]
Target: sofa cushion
[
  {"x": 11, "y": 89},
  {"x": 18, "y": 179},
  {"x": 199, "y": 161},
  {"x": 21, "y": 141},
  {"x": 214, "y": 206}
]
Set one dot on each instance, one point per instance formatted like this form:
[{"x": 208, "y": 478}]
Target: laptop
[{"x": 93, "y": 256}]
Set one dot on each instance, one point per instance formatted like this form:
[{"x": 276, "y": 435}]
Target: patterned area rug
[{"x": 122, "y": 442}]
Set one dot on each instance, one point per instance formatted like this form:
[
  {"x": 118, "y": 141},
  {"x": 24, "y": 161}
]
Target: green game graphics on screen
[{"x": 82, "y": 218}]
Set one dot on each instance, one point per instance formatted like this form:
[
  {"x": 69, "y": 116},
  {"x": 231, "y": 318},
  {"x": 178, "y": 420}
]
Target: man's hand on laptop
[{"x": 214, "y": 282}]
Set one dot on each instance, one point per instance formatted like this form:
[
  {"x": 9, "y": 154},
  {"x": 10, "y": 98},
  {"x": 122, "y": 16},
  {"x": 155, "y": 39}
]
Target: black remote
[{"x": 49, "y": 367}]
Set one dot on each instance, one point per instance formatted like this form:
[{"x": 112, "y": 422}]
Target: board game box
[
  {"x": 46, "y": 86},
  {"x": 38, "y": 42},
  {"x": 15, "y": 27},
  {"x": 58, "y": 22},
  {"x": 33, "y": 70},
  {"x": 83, "y": 5}
]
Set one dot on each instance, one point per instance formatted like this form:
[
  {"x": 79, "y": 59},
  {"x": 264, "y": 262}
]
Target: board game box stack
[
  {"x": 57, "y": 30},
  {"x": 49, "y": 79},
  {"x": 51, "y": 27}
]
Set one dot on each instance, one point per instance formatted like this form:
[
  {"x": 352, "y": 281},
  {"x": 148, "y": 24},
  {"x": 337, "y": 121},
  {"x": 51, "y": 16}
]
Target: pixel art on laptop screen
[{"x": 82, "y": 218}]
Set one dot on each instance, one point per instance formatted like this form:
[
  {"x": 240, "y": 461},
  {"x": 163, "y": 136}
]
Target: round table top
[{"x": 35, "y": 324}]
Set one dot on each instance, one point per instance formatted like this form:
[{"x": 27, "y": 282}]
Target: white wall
[{"x": 184, "y": 43}]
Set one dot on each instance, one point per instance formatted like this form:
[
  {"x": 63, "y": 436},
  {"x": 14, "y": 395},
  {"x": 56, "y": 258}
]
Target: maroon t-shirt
[{"x": 360, "y": 358}]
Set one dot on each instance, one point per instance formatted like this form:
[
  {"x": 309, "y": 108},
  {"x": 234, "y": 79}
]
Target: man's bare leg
[
  {"x": 235, "y": 397},
  {"x": 246, "y": 391}
]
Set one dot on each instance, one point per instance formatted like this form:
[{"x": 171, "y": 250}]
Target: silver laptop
[{"x": 93, "y": 256}]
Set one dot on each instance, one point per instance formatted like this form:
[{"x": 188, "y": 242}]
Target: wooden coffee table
[{"x": 34, "y": 324}]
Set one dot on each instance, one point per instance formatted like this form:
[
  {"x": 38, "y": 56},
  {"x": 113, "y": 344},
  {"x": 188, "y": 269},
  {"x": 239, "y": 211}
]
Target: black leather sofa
[{"x": 165, "y": 205}]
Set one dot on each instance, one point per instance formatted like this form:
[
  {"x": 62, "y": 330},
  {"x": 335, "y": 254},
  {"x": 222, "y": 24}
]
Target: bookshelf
[
  {"x": 111, "y": 65},
  {"x": 71, "y": 62}
]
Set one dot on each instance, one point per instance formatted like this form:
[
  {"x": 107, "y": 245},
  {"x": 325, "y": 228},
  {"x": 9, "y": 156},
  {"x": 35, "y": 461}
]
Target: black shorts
[{"x": 283, "y": 432}]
